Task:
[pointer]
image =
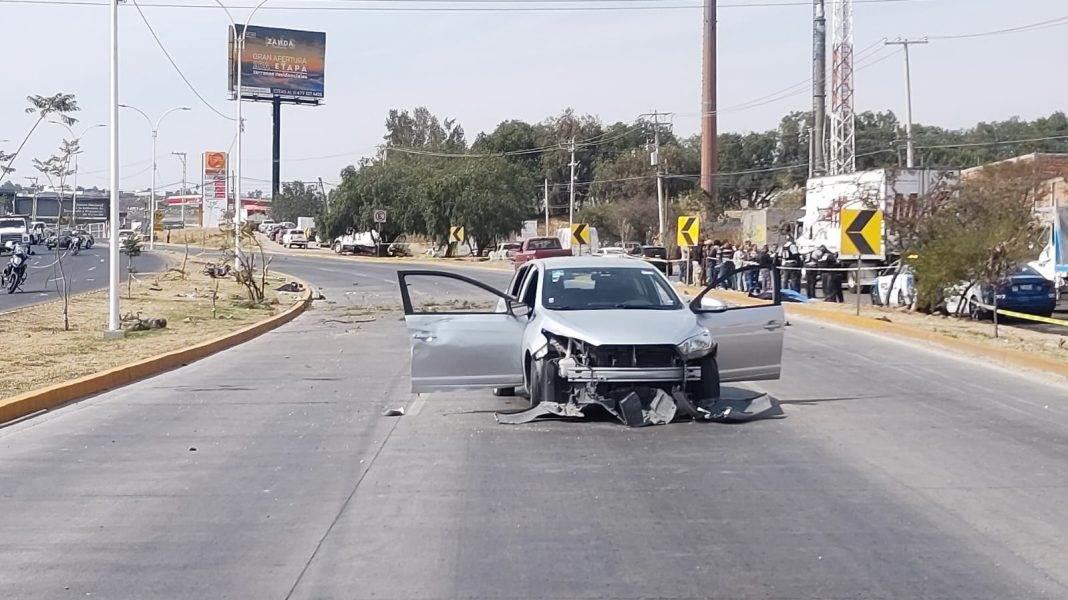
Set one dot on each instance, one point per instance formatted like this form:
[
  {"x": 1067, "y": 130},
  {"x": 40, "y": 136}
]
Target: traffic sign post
[
  {"x": 688, "y": 231},
  {"x": 580, "y": 235},
  {"x": 862, "y": 235},
  {"x": 380, "y": 216}
]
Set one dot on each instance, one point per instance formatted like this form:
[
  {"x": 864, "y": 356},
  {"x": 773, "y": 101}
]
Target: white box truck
[{"x": 889, "y": 190}]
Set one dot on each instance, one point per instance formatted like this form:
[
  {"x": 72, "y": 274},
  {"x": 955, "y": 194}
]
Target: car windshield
[
  {"x": 607, "y": 288},
  {"x": 12, "y": 223},
  {"x": 546, "y": 244}
]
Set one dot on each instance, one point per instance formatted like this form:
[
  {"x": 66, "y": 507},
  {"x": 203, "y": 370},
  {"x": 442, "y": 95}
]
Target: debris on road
[
  {"x": 644, "y": 406},
  {"x": 292, "y": 286},
  {"x": 394, "y": 412}
]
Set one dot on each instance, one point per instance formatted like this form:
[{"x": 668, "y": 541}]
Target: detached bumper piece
[{"x": 644, "y": 406}]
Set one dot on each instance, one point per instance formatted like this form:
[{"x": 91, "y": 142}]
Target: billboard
[
  {"x": 89, "y": 209},
  {"x": 213, "y": 188},
  {"x": 279, "y": 63}
]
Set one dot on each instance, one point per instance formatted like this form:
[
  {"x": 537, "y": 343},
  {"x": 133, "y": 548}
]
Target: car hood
[{"x": 623, "y": 327}]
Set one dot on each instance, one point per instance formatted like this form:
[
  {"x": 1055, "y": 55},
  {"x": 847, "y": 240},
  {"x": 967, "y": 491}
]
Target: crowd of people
[{"x": 722, "y": 261}]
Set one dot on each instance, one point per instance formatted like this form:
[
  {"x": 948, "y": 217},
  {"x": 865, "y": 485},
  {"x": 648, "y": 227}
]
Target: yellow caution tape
[{"x": 1020, "y": 315}]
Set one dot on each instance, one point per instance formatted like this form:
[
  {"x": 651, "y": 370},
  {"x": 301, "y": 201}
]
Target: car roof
[{"x": 583, "y": 262}]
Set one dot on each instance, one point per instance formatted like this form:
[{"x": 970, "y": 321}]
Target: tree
[
  {"x": 58, "y": 105},
  {"x": 296, "y": 200},
  {"x": 980, "y": 234},
  {"x": 56, "y": 169}
]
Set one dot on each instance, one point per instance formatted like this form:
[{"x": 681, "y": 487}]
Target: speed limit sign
[{"x": 380, "y": 216}]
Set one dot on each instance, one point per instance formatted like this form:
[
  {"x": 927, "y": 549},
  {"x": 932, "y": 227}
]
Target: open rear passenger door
[
  {"x": 463, "y": 345},
  {"x": 749, "y": 336}
]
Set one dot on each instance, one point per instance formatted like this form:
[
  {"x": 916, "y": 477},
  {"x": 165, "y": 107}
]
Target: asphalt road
[
  {"x": 88, "y": 271},
  {"x": 268, "y": 471}
]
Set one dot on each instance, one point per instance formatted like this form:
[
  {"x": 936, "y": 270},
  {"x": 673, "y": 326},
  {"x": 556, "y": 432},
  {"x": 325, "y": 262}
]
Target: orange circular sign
[{"x": 216, "y": 161}]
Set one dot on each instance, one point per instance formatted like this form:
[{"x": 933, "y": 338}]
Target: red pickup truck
[{"x": 539, "y": 247}]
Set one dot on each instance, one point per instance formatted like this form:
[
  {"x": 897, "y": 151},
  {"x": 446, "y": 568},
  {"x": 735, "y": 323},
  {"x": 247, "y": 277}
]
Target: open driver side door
[
  {"x": 478, "y": 347},
  {"x": 749, "y": 338}
]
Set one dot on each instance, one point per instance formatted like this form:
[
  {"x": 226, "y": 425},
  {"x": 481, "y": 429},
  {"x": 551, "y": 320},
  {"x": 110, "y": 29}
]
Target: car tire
[
  {"x": 337, "y": 248},
  {"x": 504, "y": 391},
  {"x": 545, "y": 381},
  {"x": 708, "y": 385},
  {"x": 975, "y": 312}
]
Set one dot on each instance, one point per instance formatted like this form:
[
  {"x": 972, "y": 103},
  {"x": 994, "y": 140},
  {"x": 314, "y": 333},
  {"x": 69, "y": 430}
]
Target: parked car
[
  {"x": 364, "y": 242},
  {"x": 539, "y": 247},
  {"x": 612, "y": 251},
  {"x": 265, "y": 225},
  {"x": 294, "y": 238},
  {"x": 505, "y": 250},
  {"x": 584, "y": 331},
  {"x": 1025, "y": 291},
  {"x": 903, "y": 291},
  {"x": 14, "y": 230}
]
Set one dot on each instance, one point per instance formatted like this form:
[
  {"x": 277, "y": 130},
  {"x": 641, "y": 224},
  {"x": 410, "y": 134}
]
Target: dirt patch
[{"x": 40, "y": 353}]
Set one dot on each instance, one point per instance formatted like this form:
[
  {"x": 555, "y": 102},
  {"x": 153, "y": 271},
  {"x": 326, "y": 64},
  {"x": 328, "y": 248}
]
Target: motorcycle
[
  {"x": 14, "y": 274},
  {"x": 75, "y": 244}
]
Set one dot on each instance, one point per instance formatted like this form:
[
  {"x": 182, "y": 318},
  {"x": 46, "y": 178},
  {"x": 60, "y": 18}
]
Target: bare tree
[
  {"x": 56, "y": 169},
  {"x": 58, "y": 105}
]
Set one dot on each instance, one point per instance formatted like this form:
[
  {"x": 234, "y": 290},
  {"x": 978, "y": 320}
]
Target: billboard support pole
[{"x": 276, "y": 147}]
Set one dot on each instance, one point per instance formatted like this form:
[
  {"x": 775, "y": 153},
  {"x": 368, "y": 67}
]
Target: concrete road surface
[
  {"x": 268, "y": 471},
  {"x": 88, "y": 271}
]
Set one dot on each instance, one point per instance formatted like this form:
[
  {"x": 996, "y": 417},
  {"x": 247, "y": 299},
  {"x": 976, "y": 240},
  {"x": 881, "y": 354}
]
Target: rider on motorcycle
[{"x": 15, "y": 270}]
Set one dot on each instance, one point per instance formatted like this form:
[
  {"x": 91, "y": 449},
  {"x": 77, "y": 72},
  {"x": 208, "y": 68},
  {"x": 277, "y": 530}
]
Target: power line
[
  {"x": 175, "y": 65},
  {"x": 1019, "y": 29},
  {"x": 504, "y": 5}
]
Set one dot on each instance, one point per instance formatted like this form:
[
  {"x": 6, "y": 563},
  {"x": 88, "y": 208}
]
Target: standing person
[
  {"x": 697, "y": 260},
  {"x": 767, "y": 263},
  {"x": 833, "y": 279},
  {"x": 726, "y": 267},
  {"x": 816, "y": 257},
  {"x": 791, "y": 262},
  {"x": 753, "y": 276}
]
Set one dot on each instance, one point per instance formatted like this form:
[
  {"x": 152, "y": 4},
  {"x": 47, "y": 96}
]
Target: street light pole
[
  {"x": 74, "y": 190},
  {"x": 239, "y": 51},
  {"x": 114, "y": 326},
  {"x": 155, "y": 137}
]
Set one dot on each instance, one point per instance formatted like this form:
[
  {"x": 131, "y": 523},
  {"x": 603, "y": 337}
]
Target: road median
[{"x": 48, "y": 366}]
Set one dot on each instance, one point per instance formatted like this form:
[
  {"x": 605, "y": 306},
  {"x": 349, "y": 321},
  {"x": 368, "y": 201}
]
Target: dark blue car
[{"x": 1025, "y": 291}]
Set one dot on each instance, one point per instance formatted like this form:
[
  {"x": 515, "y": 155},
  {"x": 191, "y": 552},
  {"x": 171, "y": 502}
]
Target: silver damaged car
[{"x": 574, "y": 333}]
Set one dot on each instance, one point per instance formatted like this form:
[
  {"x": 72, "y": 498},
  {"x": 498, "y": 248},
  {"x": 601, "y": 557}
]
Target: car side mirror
[
  {"x": 520, "y": 309},
  {"x": 709, "y": 305}
]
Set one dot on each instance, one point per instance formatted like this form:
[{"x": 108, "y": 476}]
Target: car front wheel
[
  {"x": 544, "y": 381},
  {"x": 708, "y": 386},
  {"x": 337, "y": 248}
]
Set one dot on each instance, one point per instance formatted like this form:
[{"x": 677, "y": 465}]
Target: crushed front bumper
[{"x": 579, "y": 374}]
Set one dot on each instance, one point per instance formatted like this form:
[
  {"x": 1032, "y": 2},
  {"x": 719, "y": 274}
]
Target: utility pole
[
  {"x": 905, "y": 43},
  {"x": 817, "y": 162},
  {"x": 571, "y": 211},
  {"x": 33, "y": 207},
  {"x": 546, "y": 195},
  {"x": 181, "y": 156},
  {"x": 654, "y": 159},
  {"x": 709, "y": 158}
]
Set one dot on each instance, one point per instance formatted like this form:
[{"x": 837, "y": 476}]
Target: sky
[{"x": 483, "y": 67}]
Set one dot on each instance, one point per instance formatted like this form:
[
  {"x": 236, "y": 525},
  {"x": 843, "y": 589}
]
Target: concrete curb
[
  {"x": 59, "y": 394},
  {"x": 1009, "y": 356}
]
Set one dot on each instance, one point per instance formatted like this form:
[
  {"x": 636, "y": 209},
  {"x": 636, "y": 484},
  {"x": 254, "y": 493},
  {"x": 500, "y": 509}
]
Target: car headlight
[{"x": 696, "y": 346}]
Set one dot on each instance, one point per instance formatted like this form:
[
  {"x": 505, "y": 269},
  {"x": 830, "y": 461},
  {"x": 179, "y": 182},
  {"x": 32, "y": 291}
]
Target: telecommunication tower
[{"x": 843, "y": 158}]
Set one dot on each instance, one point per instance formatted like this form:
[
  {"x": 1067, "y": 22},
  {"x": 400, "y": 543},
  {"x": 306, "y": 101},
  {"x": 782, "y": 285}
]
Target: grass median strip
[{"x": 40, "y": 353}]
